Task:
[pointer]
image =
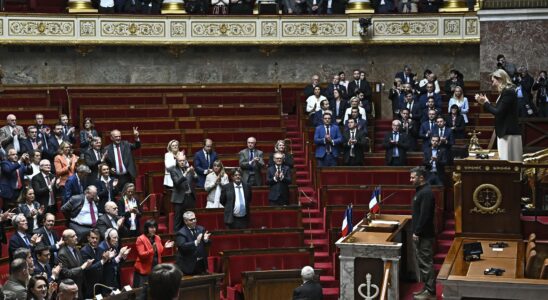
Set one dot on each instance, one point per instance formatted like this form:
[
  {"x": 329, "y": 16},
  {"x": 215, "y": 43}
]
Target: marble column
[
  {"x": 346, "y": 290},
  {"x": 359, "y": 7},
  {"x": 173, "y": 7},
  {"x": 80, "y": 6},
  {"x": 454, "y": 6},
  {"x": 393, "y": 290}
]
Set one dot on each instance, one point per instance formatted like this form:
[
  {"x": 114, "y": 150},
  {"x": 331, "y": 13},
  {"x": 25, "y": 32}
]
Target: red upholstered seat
[
  {"x": 269, "y": 261},
  {"x": 239, "y": 264},
  {"x": 126, "y": 276},
  {"x": 295, "y": 260},
  {"x": 4, "y": 270}
]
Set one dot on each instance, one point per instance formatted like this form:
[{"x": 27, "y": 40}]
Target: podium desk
[
  {"x": 462, "y": 279},
  {"x": 372, "y": 249}
]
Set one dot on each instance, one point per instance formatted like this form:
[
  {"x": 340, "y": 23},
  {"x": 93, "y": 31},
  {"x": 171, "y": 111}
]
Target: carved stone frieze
[
  {"x": 87, "y": 28},
  {"x": 406, "y": 28},
  {"x": 451, "y": 27},
  {"x": 33, "y": 28},
  {"x": 132, "y": 29},
  {"x": 471, "y": 27},
  {"x": 313, "y": 29},
  {"x": 178, "y": 29},
  {"x": 269, "y": 28},
  {"x": 223, "y": 29},
  {"x": 1, "y": 27}
]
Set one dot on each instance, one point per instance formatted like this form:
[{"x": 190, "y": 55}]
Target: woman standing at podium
[{"x": 505, "y": 111}]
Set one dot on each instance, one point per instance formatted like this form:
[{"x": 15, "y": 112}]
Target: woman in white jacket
[
  {"x": 170, "y": 161},
  {"x": 213, "y": 183}
]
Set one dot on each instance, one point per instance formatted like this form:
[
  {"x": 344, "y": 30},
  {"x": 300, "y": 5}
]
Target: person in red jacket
[{"x": 149, "y": 252}]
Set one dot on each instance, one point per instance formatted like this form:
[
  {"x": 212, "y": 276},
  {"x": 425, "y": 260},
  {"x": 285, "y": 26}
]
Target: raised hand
[
  {"x": 169, "y": 244},
  {"x": 136, "y": 131}
]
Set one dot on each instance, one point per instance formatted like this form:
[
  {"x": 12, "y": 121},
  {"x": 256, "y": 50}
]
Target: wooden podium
[{"x": 487, "y": 196}]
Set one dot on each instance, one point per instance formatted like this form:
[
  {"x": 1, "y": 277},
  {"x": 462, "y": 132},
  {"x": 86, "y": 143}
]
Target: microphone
[{"x": 100, "y": 297}]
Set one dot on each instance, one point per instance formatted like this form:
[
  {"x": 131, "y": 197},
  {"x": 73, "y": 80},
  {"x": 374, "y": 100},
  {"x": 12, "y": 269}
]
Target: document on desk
[
  {"x": 383, "y": 222},
  {"x": 498, "y": 249}
]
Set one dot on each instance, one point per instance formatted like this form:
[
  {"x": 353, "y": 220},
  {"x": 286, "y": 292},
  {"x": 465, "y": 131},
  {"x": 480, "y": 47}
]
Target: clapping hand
[
  {"x": 86, "y": 264},
  {"x": 481, "y": 98},
  {"x": 169, "y": 244},
  {"x": 124, "y": 252},
  {"x": 120, "y": 221},
  {"x": 206, "y": 236},
  {"x": 36, "y": 238}
]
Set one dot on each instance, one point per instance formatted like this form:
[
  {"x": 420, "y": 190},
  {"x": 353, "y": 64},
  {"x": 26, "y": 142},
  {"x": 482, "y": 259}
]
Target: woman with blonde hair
[
  {"x": 128, "y": 207},
  {"x": 170, "y": 161},
  {"x": 287, "y": 159},
  {"x": 65, "y": 164},
  {"x": 213, "y": 183},
  {"x": 461, "y": 101},
  {"x": 505, "y": 110}
]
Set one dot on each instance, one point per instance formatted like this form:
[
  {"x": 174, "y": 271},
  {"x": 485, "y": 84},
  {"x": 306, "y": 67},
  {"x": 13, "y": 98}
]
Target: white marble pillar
[
  {"x": 176, "y": 7},
  {"x": 346, "y": 289},
  {"x": 359, "y": 7},
  {"x": 80, "y": 6}
]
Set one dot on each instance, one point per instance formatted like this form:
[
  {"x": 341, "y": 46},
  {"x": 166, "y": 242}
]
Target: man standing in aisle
[
  {"x": 120, "y": 157},
  {"x": 423, "y": 232}
]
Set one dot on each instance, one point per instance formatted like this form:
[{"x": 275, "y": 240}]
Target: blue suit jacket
[
  {"x": 424, "y": 98},
  {"x": 8, "y": 180},
  {"x": 200, "y": 165},
  {"x": 111, "y": 269},
  {"x": 38, "y": 269},
  {"x": 72, "y": 188},
  {"x": 319, "y": 140},
  {"x": 16, "y": 242}
]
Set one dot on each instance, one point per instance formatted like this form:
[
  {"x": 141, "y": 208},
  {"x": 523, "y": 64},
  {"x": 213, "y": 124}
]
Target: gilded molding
[
  {"x": 87, "y": 28},
  {"x": 223, "y": 29},
  {"x": 178, "y": 29},
  {"x": 257, "y": 30},
  {"x": 36, "y": 28},
  {"x": 132, "y": 29},
  {"x": 406, "y": 28},
  {"x": 313, "y": 29}
]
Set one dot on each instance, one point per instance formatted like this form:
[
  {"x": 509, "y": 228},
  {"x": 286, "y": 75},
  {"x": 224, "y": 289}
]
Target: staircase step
[
  {"x": 307, "y": 190},
  {"x": 308, "y": 232},
  {"x": 303, "y": 181},
  {"x": 311, "y": 211},
  {"x": 444, "y": 245},
  {"x": 439, "y": 258},
  {"x": 313, "y": 220},
  {"x": 316, "y": 241},
  {"x": 307, "y": 200},
  {"x": 447, "y": 235},
  {"x": 449, "y": 224},
  {"x": 321, "y": 254},
  {"x": 330, "y": 293}
]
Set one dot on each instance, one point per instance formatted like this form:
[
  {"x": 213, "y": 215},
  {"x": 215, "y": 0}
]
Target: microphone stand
[{"x": 101, "y": 285}]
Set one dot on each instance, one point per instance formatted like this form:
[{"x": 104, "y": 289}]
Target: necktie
[
  {"x": 92, "y": 213},
  {"x": 75, "y": 255},
  {"x": 80, "y": 189},
  {"x": 16, "y": 142},
  {"x": 431, "y": 126},
  {"x": 396, "y": 153},
  {"x": 120, "y": 163},
  {"x": 51, "y": 200},
  {"x": 193, "y": 231},
  {"x": 352, "y": 146},
  {"x": 26, "y": 240},
  {"x": 251, "y": 155},
  {"x": 50, "y": 237},
  {"x": 207, "y": 157},
  {"x": 19, "y": 182},
  {"x": 242, "y": 200},
  {"x": 441, "y": 132},
  {"x": 34, "y": 145},
  {"x": 97, "y": 154},
  {"x": 328, "y": 146}
]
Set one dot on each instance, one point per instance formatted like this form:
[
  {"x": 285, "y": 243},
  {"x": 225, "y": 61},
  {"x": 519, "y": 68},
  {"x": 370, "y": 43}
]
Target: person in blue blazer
[
  {"x": 203, "y": 162},
  {"x": 12, "y": 179},
  {"x": 327, "y": 138}
]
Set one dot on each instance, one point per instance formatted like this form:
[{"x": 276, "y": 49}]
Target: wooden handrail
[{"x": 386, "y": 280}]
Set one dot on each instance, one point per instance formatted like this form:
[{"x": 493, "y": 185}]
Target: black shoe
[{"x": 419, "y": 292}]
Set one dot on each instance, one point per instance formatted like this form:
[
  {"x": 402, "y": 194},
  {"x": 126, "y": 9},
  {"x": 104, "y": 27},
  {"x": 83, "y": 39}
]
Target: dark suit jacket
[
  {"x": 72, "y": 187},
  {"x": 410, "y": 80},
  {"x": 309, "y": 90},
  {"x": 103, "y": 193},
  {"x": 71, "y": 267},
  {"x": 279, "y": 191},
  {"x": 93, "y": 163},
  {"x": 416, "y": 111},
  {"x": 442, "y": 160},
  {"x": 329, "y": 91},
  {"x": 53, "y": 146},
  {"x": 8, "y": 180},
  {"x": 424, "y": 98},
  {"x": 363, "y": 87},
  {"x": 94, "y": 273},
  {"x": 41, "y": 189},
  {"x": 343, "y": 105},
  {"x": 24, "y": 209},
  {"x": 188, "y": 252},
  {"x": 16, "y": 242},
  {"x": 506, "y": 113},
  {"x": 228, "y": 198},
  {"x": 26, "y": 146},
  {"x": 317, "y": 118},
  {"x": 127, "y": 156},
  {"x": 183, "y": 187},
  {"x": 46, "y": 242},
  {"x": 429, "y": 7},
  {"x": 200, "y": 164},
  {"x": 402, "y": 145},
  {"x": 39, "y": 269},
  {"x": 458, "y": 131},
  {"x": 287, "y": 161},
  {"x": 448, "y": 135},
  {"x": 310, "y": 290},
  {"x": 111, "y": 269},
  {"x": 359, "y": 147},
  {"x": 103, "y": 223}
]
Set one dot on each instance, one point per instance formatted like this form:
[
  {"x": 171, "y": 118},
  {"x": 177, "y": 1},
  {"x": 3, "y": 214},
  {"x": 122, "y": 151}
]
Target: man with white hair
[
  {"x": 191, "y": 242},
  {"x": 110, "y": 219},
  {"x": 71, "y": 259},
  {"x": 12, "y": 134},
  {"x": 251, "y": 163},
  {"x": 310, "y": 289},
  {"x": 120, "y": 157},
  {"x": 182, "y": 196},
  {"x": 21, "y": 239},
  {"x": 82, "y": 212},
  {"x": 45, "y": 186}
]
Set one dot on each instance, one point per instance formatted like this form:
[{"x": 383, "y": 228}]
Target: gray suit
[
  {"x": 182, "y": 196},
  {"x": 14, "y": 289},
  {"x": 251, "y": 169},
  {"x": 6, "y": 138}
]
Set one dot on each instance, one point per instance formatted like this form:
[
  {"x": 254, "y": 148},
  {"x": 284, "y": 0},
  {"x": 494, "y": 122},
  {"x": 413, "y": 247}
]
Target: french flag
[
  {"x": 374, "y": 203},
  {"x": 347, "y": 221}
]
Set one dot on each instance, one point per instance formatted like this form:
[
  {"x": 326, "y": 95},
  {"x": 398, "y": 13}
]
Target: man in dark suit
[
  {"x": 415, "y": 112},
  {"x": 407, "y": 76},
  {"x": 310, "y": 289},
  {"x": 94, "y": 157},
  {"x": 12, "y": 179},
  {"x": 315, "y": 7},
  {"x": 354, "y": 144},
  {"x": 49, "y": 236},
  {"x": 45, "y": 186},
  {"x": 251, "y": 162},
  {"x": 396, "y": 145},
  {"x": 203, "y": 161},
  {"x": 21, "y": 239},
  {"x": 335, "y": 85},
  {"x": 430, "y": 93},
  {"x": 191, "y": 241},
  {"x": 327, "y": 138},
  {"x": 32, "y": 142},
  {"x": 82, "y": 212},
  {"x": 409, "y": 127},
  {"x": 117, "y": 255},
  {"x": 428, "y": 129},
  {"x": 279, "y": 179},
  {"x": 120, "y": 157},
  {"x": 77, "y": 183},
  {"x": 72, "y": 261},
  {"x": 236, "y": 199},
  {"x": 42, "y": 265},
  {"x": 43, "y": 131},
  {"x": 447, "y": 140},
  {"x": 435, "y": 160},
  {"x": 54, "y": 141},
  {"x": 111, "y": 219},
  {"x": 317, "y": 117},
  {"x": 357, "y": 85},
  {"x": 94, "y": 273},
  {"x": 309, "y": 89},
  {"x": 183, "y": 197}
]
